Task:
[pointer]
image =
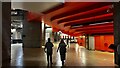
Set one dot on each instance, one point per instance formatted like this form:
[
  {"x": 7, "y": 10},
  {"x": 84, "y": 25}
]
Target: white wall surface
[
  {"x": 48, "y": 34},
  {"x": 91, "y": 43}
]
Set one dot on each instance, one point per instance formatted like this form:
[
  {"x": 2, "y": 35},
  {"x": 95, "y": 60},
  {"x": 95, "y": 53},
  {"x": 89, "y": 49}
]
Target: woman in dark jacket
[{"x": 62, "y": 49}]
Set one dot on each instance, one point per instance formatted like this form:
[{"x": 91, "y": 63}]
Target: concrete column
[
  {"x": 56, "y": 36},
  {"x": 6, "y": 34},
  {"x": 43, "y": 34},
  {"x": 91, "y": 43},
  {"x": 32, "y": 34},
  {"x": 0, "y": 34},
  {"x": 116, "y": 28},
  {"x": 48, "y": 34},
  {"x": 87, "y": 41}
]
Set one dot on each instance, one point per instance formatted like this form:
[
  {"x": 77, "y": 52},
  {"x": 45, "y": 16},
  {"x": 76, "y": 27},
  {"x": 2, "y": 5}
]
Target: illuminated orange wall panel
[
  {"x": 103, "y": 42},
  {"x": 79, "y": 41},
  {"x": 109, "y": 39},
  {"x": 97, "y": 43}
]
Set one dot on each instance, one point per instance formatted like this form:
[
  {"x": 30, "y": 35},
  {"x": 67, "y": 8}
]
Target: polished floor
[{"x": 76, "y": 56}]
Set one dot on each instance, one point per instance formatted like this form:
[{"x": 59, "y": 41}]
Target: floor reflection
[
  {"x": 76, "y": 56},
  {"x": 16, "y": 55}
]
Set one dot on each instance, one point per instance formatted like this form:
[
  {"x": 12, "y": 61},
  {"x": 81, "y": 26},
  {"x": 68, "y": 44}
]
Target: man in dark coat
[
  {"x": 62, "y": 48},
  {"x": 49, "y": 46}
]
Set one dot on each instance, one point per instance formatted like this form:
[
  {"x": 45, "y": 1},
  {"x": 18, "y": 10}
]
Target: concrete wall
[
  {"x": 116, "y": 18},
  {"x": 48, "y": 34},
  {"x": 6, "y": 33},
  {"x": 43, "y": 34},
  {"x": 0, "y": 34},
  {"x": 91, "y": 43},
  {"x": 32, "y": 34},
  {"x": 34, "y": 6}
]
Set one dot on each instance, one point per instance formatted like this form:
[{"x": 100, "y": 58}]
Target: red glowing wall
[
  {"x": 103, "y": 42},
  {"x": 81, "y": 41}
]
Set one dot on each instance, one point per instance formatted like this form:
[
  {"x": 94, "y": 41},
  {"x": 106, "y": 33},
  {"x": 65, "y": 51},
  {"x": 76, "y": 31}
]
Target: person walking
[
  {"x": 49, "y": 45},
  {"x": 68, "y": 42},
  {"x": 62, "y": 49}
]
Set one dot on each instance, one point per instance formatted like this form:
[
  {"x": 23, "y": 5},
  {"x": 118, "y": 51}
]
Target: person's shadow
[
  {"x": 63, "y": 66},
  {"x": 49, "y": 66}
]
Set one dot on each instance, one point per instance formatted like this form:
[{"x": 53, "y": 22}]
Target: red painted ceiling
[{"x": 70, "y": 14}]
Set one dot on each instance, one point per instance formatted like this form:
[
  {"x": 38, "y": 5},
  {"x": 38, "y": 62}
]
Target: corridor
[{"x": 76, "y": 56}]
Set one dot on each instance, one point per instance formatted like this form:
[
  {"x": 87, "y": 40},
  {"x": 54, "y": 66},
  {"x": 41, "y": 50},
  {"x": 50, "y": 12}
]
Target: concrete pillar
[
  {"x": 116, "y": 28},
  {"x": 87, "y": 41},
  {"x": 56, "y": 36},
  {"x": 32, "y": 34},
  {"x": 6, "y": 34},
  {"x": 48, "y": 34},
  {"x": 91, "y": 43},
  {"x": 0, "y": 34},
  {"x": 43, "y": 34}
]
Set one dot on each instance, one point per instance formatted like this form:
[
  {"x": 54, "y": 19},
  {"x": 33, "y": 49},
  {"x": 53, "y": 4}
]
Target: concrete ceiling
[{"x": 34, "y": 6}]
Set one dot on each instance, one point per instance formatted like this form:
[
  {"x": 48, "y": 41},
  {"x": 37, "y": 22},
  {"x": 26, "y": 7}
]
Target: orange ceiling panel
[
  {"x": 77, "y": 7},
  {"x": 77, "y": 13},
  {"x": 100, "y": 31},
  {"x": 90, "y": 13},
  {"x": 90, "y": 19},
  {"x": 94, "y": 26}
]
